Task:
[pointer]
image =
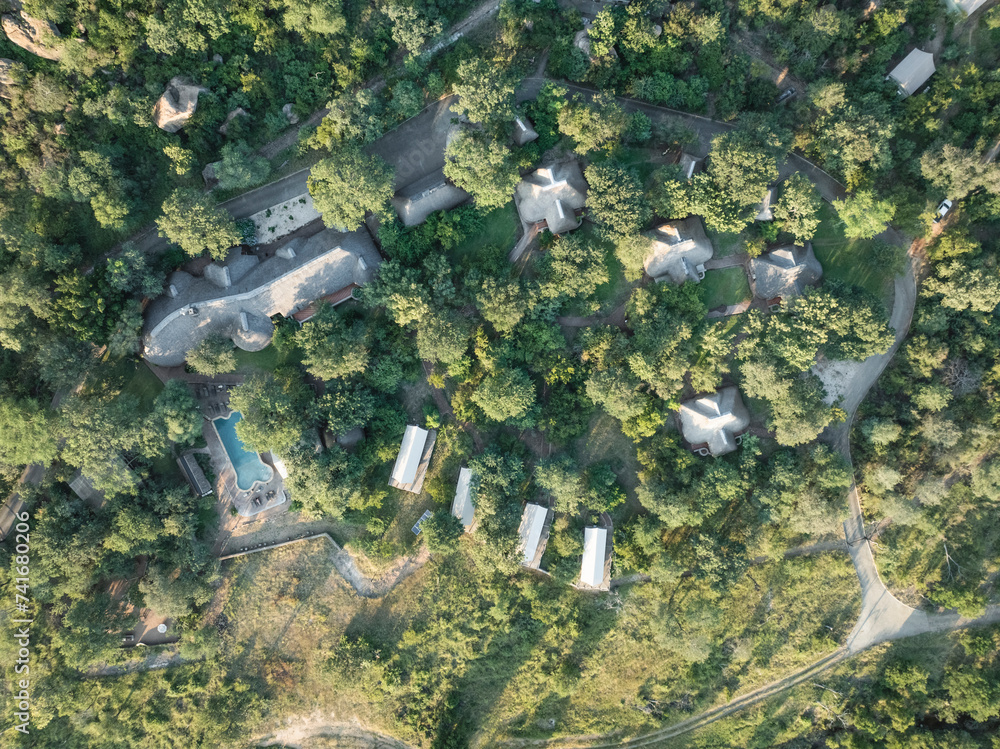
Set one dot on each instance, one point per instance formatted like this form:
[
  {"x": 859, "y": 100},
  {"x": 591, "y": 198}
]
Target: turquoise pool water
[{"x": 248, "y": 465}]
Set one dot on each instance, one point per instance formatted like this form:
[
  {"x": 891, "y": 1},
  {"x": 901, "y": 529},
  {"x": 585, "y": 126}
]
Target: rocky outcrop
[
  {"x": 238, "y": 112},
  {"x": 208, "y": 174},
  {"x": 7, "y": 79},
  {"x": 177, "y": 104},
  {"x": 33, "y": 34},
  {"x": 293, "y": 119}
]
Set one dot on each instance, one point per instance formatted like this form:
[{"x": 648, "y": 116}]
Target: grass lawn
[
  {"x": 144, "y": 385},
  {"x": 850, "y": 260},
  {"x": 499, "y": 230},
  {"x": 723, "y": 287},
  {"x": 726, "y": 244},
  {"x": 264, "y": 361},
  {"x": 616, "y": 286}
]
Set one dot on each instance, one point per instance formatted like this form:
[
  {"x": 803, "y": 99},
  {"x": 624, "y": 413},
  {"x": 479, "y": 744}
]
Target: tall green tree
[
  {"x": 348, "y": 184},
  {"x": 596, "y": 124},
  {"x": 507, "y": 395},
  {"x": 193, "y": 222},
  {"x": 958, "y": 172},
  {"x": 240, "y": 168},
  {"x": 615, "y": 199},
  {"x": 177, "y": 408},
  {"x": 482, "y": 167},
  {"x": 797, "y": 210},
  {"x": 27, "y": 432},
  {"x": 275, "y": 410},
  {"x": 214, "y": 355},
  {"x": 863, "y": 214},
  {"x": 332, "y": 346},
  {"x": 485, "y": 91}
]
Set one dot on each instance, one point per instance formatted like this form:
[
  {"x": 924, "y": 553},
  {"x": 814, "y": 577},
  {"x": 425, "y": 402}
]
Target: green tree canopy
[
  {"x": 214, "y": 355},
  {"x": 507, "y": 395},
  {"x": 797, "y": 210},
  {"x": 275, "y": 411},
  {"x": 178, "y": 409},
  {"x": 332, "y": 346},
  {"x": 348, "y": 184},
  {"x": 615, "y": 199},
  {"x": 958, "y": 172},
  {"x": 573, "y": 267},
  {"x": 193, "y": 222},
  {"x": 482, "y": 167},
  {"x": 27, "y": 432},
  {"x": 485, "y": 91},
  {"x": 596, "y": 124},
  {"x": 241, "y": 168},
  {"x": 864, "y": 215}
]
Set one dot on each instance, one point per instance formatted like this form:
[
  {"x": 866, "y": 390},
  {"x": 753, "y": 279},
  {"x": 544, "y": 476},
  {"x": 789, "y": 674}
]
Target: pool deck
[{"x": 225, "y": 481}]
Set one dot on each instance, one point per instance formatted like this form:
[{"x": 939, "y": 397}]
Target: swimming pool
[{"x": 248, "y": 466}]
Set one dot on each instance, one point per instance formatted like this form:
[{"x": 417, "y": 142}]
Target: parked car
[
  {"x": 787, "y": 94},
  {"x": 128, "y": 638},
  {"x": 942, "y": 210}
]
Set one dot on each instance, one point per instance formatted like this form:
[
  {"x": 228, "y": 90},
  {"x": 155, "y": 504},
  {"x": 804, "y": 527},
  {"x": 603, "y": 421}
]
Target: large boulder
[
  {"x": 7, "y": 78},
  {"x": 33, "y": 34},
  {"x": 238, "y": 112},
  {"x": 177, "y": 104}
]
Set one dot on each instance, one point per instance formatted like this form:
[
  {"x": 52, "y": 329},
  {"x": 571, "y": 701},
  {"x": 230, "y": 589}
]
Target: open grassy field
[
  {"x": 723, "y": 287},
  {"x": 286, "y": 611},
  {"x": 774, "y": 621},
  {"x": 850, "y": 260},
  {"x": 500, "y": 227}
]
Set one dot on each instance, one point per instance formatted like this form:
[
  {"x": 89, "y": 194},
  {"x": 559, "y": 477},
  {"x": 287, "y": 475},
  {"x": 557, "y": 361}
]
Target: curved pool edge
[{"x": 256, "y": 483}]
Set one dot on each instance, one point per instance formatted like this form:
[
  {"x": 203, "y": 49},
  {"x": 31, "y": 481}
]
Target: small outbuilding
[
  {"x": 462, "y": 507},
  {"x": 784, "y": 272},
  {"x": 690, "y": 165},
  {"x": 524, "y": 131},
  {"x": 913, "y": 72},
  {"x": 417, "y": 201},
  {"x": 714, "y": 424},
  {"x": 84, "y": 489},
  {"x": 413, "y": 458},
  {"x": 534, "y": 534},
  {"x": 678, "y": 252},
  {"x": 551, "y": 195},
  {"x": 194, "y": 475}
]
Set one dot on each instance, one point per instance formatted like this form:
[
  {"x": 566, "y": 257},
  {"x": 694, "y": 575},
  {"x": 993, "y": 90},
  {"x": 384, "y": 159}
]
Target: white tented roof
[
  {"x": 594, "y": 543},
  {"x": 966, "y": 6},
  {"x": 532, "y": 523},
  {"x": 462, "y": 507},
  {"x": 408, "y": 460},
  {"x": 913, "y": 71},
  {"x": 279, "y": 466}
]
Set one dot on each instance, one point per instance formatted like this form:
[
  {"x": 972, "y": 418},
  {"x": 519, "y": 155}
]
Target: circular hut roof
[{"x": 252, "y": 332}]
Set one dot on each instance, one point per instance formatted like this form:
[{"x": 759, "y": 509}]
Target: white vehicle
[{"x": 942, "y": 210}]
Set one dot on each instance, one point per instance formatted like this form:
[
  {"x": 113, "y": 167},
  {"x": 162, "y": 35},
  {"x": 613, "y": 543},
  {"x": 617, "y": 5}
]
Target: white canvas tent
[
  {"x": 594, "y": 544},
  {"x": 462, "y": 507},
  {"x": 404, "y": 472},
  {"x": 530, "y": 531},
  {"x": 913, "y": 71}
]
